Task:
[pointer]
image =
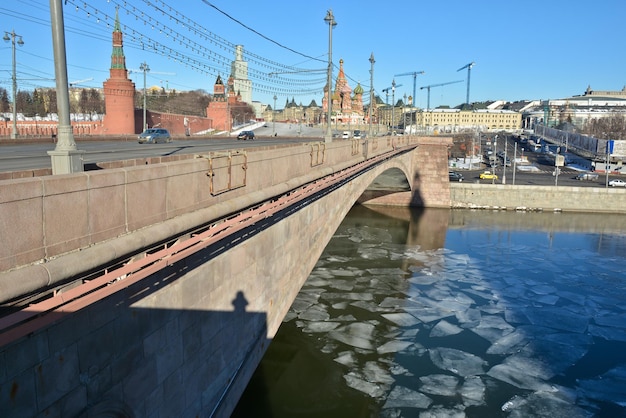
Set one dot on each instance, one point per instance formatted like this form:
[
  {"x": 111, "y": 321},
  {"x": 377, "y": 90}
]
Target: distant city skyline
[{"x": 534, "y": 51}]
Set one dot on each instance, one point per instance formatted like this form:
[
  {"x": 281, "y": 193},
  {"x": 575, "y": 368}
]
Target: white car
[
  {"x": 345, "y": 135},
  {"x": 617, "y": 183}
]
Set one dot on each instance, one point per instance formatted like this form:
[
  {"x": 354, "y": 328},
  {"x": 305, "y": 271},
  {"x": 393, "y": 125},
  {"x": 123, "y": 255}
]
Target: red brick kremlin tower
[
  {"x": 119, "y": 90},
  {"x": 218, "y": 108}
]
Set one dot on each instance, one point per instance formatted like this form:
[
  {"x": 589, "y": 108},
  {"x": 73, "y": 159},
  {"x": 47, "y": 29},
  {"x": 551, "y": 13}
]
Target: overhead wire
[{"x": 161, "y": 29}]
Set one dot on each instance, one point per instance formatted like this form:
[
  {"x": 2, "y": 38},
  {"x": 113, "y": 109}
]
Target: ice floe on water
[
  {"x": 610, "y": 386},
  {"x": 439, "y": 384},
  {"x": 457, "y": 361},
  {"x": 523, "y": 372},
  {"x": 402, "y": 397},
  {"x": 394, "y": 346},
  {"x": 444, "y": 329},
  {"x": 543, "y": 405},
  {"x": 473, "y": 391},
  {"x": 439, "y": 333},
  {"x": 401, "y": 319},
  {"x": 357, "y": 335},
  {"x": 371, "y": 389}
]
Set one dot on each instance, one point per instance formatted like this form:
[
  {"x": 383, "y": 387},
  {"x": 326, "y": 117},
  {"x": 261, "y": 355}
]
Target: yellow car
[{"x": 488, "y": 175}]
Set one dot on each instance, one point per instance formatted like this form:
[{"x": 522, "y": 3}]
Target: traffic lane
[
  {"x": 35, "y": 156},
  {"x": 541, "y": 178}
]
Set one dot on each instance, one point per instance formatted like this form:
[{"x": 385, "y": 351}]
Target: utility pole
[
  {"x": 330, "y": 19},
  {"x": 506, "y": 143},
  {"x": 393, "y": 103},
  {"x": 144, "y": 67},
  {"x": 10, "y": 36},
  {"x": 274, "y": 117},
  {"x": 372, "y": 100}
]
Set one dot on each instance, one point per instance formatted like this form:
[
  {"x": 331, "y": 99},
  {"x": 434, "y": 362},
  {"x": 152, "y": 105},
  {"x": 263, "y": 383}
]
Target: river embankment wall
[{"x": 537, "y": 198}]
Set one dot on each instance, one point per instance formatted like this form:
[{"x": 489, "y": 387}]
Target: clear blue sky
[{"x": 535, "y": 49}]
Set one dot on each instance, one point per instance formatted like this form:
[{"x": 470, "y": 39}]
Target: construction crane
[
  {"x": 392, "y": 88},
  {"x": 414, "y": 74},
  {"x": 436, "y": 85},
  {"x": 393, "y": 91},
  {"x": 469, "y": 71}
]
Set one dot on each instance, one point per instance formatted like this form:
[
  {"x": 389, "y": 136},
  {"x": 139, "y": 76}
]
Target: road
[
  {"x": 543, "y": 177},
  {"x": 34, "y": 156}
]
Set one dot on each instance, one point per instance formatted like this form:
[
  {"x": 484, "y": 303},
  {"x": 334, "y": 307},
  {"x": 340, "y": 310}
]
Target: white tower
[{"x": 239, "y": 72}]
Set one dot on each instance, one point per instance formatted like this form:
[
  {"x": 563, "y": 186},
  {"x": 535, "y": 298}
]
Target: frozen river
[{"x": 455, "y": 314}]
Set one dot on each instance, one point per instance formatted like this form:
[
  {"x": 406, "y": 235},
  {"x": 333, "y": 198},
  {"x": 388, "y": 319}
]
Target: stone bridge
[{"x": 152, "y": 287}]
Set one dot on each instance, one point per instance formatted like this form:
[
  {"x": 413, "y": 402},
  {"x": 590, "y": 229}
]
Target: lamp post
[
  {"x": 393, "y": 104},
  {"x": 144, "y": 67},
  {"x": 65, "y": 158},
  {"x": 10, "y": 36},
  {"x": 506, "y": 143},
  {"x": 274, "y": 117},
  {"x": 404, "y": 115},
  {"x": 372, "y": 100},
  {"x": 330, "y": 19}
]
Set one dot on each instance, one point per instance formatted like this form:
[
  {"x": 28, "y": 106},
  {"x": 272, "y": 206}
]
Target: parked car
[
  {"x": 587, "y": 176},
  {"x": 356, "y": 134},
  {"x": 488, "y": 175},
  {"x": 345, "y": 135},
  {"x": 154, "y": 136},
  {"x": 617, "y": 183},
  {"x": 455, "y": 176},
  {"x": 245, "y": 135}
]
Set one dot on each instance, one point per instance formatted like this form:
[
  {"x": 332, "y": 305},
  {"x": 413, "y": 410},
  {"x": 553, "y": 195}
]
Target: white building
[{"x": 239, "y": 73}]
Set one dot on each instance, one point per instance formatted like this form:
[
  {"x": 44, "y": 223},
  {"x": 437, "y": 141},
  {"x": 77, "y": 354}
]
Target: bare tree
[
  {"x": 38, "y": 102},
  {"x": 4, "y": 100},
  {"x": 24, "y": 103},
  {"x": 241, "y": 113},
  {"x": 610, "y": 127},
  {"x": 52, "y": 101},
  {"x": 83, "y": 101}
]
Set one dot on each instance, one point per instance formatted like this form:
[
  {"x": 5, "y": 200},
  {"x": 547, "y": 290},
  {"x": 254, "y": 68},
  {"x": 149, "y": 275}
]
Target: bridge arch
[{"x": 180, "y": 323}]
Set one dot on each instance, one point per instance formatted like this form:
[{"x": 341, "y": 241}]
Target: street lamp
[
  {"x": 65, "y": 158},
  {"x": 10, "y": 36},
  {"x": 144, "y": 67},
  {"x": 393, "y": 104},
  {"x": 274, "y": 117},
  {"x": 372, "y": 100},
  {"x": 404, "y": 115},
  {"x": 330, "y": 19}
]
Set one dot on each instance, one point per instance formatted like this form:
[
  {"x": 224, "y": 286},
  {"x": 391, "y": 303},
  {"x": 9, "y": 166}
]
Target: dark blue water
[{"x": 443, "y": 313}]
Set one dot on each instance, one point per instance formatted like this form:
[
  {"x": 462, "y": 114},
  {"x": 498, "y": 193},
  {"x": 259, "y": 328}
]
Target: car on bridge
[
  {"x": 245, "y": 135},
  {"x": 617, "y": 183},
  {"x": 154, "y": 136},
  {"x": 488, "y": 175}
]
